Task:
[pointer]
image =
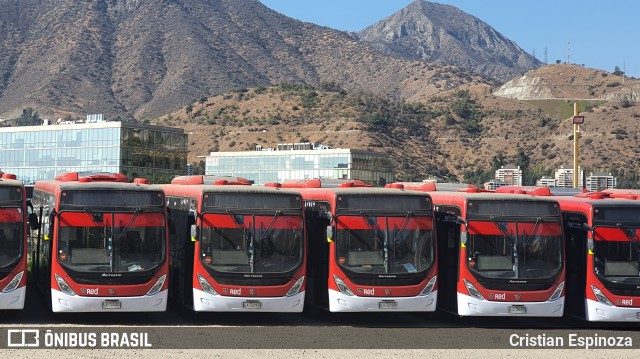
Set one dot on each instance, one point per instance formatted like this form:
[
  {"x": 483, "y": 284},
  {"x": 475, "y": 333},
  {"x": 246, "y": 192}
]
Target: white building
[
  {"x": 510, "y": 175},
  {"x": 564, "y": 177},
  {"x": 302, "y": 161},
  {"x": 493, "y": 185},
  {"x": 599, "y": 181},
  {"x": 547, "y": 181}
]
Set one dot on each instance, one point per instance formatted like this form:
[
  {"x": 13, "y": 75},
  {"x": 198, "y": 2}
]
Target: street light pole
[{"x": 577, "y": 121}]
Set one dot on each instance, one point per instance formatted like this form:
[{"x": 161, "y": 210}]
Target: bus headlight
[
  {"x": 206, "y": 287},
  {"x": 600, "y": 296},
  {"x": 296, "y": 287},
  {"x": 429, "y": 288},
  {"x": 556, "y": 293},
  {"x": 472, "y": 290},
  {"x": 342, "y": 286},
  {"x": 14, "y": 283},
  {"x": 156, "y": 287},
  {"x": 64, "y": 287}
]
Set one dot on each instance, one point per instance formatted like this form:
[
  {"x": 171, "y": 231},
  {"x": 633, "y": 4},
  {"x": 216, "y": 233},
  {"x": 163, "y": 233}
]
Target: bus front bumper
[
  {"x": 339, "y": 302},
  {"x": 206, "y": 302},
  {"x": 13, "y": 299},
  {"x": 598, "y": 312},
  {"x": 63, "y": 303},
  {"x": 470, "y": 306}
]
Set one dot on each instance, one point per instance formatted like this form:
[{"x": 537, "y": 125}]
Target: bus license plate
[
  {"x": 251, "y": 305},
  {"x": 111, "y": 304},
  {"x": 388, "y": 305},
  {"x": 517, "y": 309}
]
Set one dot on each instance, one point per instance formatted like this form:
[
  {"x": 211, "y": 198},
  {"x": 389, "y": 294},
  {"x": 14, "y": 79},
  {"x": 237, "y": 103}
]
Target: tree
[
  {"x": 29, "y": 117},
  {"x": 618, "y": 72},
  {"x": 522, "y": 159},
  {"x": 189, "y": 110},
  {"x": 202, "y": 102},
  {"x": 498, "y": 161}
]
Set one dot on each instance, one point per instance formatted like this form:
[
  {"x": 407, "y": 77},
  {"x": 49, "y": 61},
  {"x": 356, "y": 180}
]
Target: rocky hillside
[
  {"x": 439, "y": 33},
  {"x": 143, "y": 59},
  {"x": 461, "y": 134},
  {"x": 575, "y": 82}
]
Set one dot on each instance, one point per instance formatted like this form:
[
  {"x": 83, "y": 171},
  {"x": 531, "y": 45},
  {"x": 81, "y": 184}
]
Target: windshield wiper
[
  {"x": 502, "y": 226},
  {"x": 268, "y": 229},
  {"x": 373, "y": 231},
  {"x": 402, "y": 227},
  {"x": 126, "y": 228},
  {"x": 385, "y": 248},
  {"x": 246, "y": 236},
  {"x": 529, "y": 238},
  {"x": 397, "y": 236}
]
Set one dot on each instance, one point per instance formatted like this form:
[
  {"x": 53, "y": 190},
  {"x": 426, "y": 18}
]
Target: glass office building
[
  {"x": 35, "y": 153},
  {"x": 277, "y": 166}
]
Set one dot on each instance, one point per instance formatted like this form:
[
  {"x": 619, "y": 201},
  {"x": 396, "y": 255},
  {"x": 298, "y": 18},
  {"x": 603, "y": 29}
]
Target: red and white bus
[
  {"x": 236, "y": 247},
  {"x": 13, "y": 242},
  {"x": 500, "y": 254},
  {"x": 603, "y": 257},
  {"x": 101, "y": 244},
  {"x": 370, "y": 249}
]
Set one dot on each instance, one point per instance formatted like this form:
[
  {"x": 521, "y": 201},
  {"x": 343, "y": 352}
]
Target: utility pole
[{"x": 577, "y": 121}]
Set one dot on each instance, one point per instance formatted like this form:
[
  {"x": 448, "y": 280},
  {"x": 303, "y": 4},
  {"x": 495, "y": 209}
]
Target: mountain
[
  {"x": 444, "y": 34},
  {"x": 147, "y": 58}
]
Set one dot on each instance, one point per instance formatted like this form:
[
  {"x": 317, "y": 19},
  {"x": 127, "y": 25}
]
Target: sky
[{"x": 598, "y": 34}]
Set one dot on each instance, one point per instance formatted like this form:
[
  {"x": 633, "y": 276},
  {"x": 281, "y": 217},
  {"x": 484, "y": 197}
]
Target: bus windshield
[
  {"x": 250, "y": 243},
  {"x": 514, "y": 250},
  {"x": 384, "y": 244},
  {"x": 617, "y": 254},
  {"x": 105, "y": 242},
  {"x": 11, "y": 239}
]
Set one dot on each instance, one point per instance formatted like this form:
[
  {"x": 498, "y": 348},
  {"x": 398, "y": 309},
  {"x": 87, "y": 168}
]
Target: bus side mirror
[
  {"x": 460, "y": 220},
  {"x": 194, "y": 233},
  {"x": 34, "y": 224}
]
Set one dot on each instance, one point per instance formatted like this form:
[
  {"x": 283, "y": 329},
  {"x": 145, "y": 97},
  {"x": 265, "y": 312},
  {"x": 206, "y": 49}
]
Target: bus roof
[
  {"x": 434, "y": 186},
  {"x": 198, "y": 190},
  {"x": 372, "y": 191},
  {"x": 324, "y": 183},
  {"x": 211, "y": 180},
  {"x": 10, "y": 183},
  {"x": 52, "y": 186},
  {"x": 622, "y": 193},
  {"x": 490, "y": 196},
  {"x": 597, "y": 200},
  {"x": 541, "y": 190}
]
